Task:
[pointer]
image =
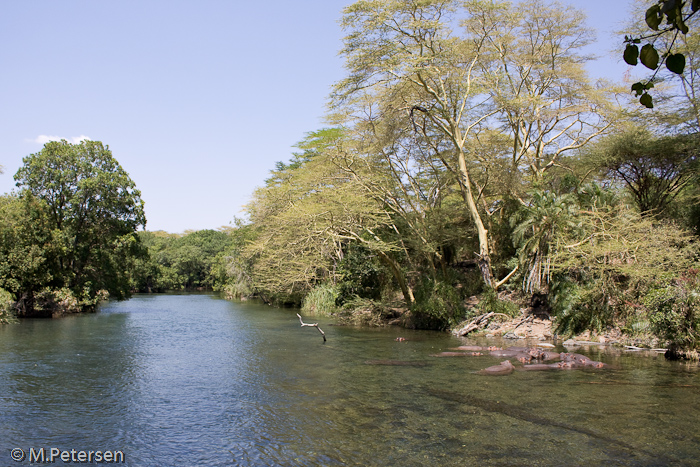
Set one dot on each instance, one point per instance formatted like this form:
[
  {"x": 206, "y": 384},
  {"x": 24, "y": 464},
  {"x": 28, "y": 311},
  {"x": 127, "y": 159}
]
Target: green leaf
[
  {"x": 638, "y": 88},
  {"x": 696, "y": 5},
  {"x": 653, "y": 17},
  {"x": 646, "y": 101},
  {"x": 676, "y": 63},
  {"x": 649, "y": 57},
  {"x": 668, "y": 8},
  {"x": 631, "y": 54}
]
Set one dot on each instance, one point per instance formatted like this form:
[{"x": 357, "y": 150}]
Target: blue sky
[{"x": 196, "y": 99}]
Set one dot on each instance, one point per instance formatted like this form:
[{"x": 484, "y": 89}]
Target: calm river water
[{"x": 194, "y": 380}]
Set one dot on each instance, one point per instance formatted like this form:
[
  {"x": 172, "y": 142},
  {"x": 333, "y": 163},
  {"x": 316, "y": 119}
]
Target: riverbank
[{"x": 533, "y": 323}]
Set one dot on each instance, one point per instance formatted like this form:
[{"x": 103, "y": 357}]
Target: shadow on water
[{"x": 508, "y": 410}]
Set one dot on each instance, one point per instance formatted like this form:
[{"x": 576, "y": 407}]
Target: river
[{"x": 194, "y": 380}]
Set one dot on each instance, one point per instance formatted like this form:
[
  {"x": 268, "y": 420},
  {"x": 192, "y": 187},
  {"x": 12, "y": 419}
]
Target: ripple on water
[{"x": 194, "y": 380}]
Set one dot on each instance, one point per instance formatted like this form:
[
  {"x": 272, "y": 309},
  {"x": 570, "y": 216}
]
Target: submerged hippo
[
  {"x": 580, "y": 360},
  {"x": 506, "y": 353},
  {"x": 505, "y": 368},
  {"x": 537, "y": 367},
  {"x": 547, "y": 355},
  {"x": 565, "y": 365},
  {"x": 451, "y": 354},
  {"x": 395, "y": 363},
  {"x": 469, "y": 347}
]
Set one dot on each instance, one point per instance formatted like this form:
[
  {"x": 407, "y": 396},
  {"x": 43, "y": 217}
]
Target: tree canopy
[{"x": 89, "y": 211}]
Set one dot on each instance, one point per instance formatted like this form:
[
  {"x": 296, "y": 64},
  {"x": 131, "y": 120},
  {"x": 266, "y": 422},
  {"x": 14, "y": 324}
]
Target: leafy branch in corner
[{"x": 677, "y": 14}]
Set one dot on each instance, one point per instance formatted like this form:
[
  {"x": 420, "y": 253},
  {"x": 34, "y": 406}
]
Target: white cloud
[{"x": 43, "y": 139}]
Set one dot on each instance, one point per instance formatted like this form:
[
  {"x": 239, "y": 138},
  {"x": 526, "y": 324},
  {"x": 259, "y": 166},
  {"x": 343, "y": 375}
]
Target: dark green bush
[
  {"x": 439, "y": 303},
  {"x": 579, "y": 306}
]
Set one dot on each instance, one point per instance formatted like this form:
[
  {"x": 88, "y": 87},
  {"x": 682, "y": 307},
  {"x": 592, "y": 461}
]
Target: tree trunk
[
  {"x": 405, "y": 289},
  {"x": 484, "y": 260}
]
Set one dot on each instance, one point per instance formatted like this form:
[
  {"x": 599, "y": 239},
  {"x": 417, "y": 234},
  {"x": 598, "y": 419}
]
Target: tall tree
[
  {"x": 93, "y": 210},
  {"x": 549, "y": 106},
  {"x": 305, "y": 215},
  {"x": 405, "y": 49}
]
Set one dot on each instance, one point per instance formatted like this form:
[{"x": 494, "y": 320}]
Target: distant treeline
[{"x": 191, "y": 261}]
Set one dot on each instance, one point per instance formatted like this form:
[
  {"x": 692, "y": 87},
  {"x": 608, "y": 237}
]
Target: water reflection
[{"x": 195, "y": 380}]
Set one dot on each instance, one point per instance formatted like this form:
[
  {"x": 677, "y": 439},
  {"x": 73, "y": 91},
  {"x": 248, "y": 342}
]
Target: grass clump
[{"x": 321, "y": 300}]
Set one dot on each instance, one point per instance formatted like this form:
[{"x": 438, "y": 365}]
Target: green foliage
[
  {"x": 360, "y": 311},
  {"x": 7, "y": 312},
  {"x": 439, "y": 304},
  {"x": 182, "y": 262},
  {"x": 654, "y": 170},
  {"x": 673, "y": 311},
  {"x": 580, "y": 306},
  {"x": 232, "y": 268},
  {"x": 27, "y": 245},
  {"x": 677, "y": 14},
  {"x": 56, "y": 302},
  {"x": 537, "y": 228},
  {"x": 321, "y": 300},
  {"x": 72, "y": 228},
  {"x": 602, "y": 279},
  {"x": 360, "y": 274}
]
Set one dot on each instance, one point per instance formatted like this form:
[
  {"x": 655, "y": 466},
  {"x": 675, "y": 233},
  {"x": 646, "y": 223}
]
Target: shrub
[
  {"x": 490, "y": 303},
  {"x": 579, "y": 306},
  {"x": 361, "y": 275},
  {"x": 366, "y": 312},
  {"x": 673, "y": 311}
]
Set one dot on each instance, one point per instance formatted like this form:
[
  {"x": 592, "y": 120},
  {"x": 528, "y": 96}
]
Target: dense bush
[{"x": 439, "y": 303}]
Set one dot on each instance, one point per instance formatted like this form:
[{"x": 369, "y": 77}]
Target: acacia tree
[
  {"x": 306, "y": 214},
  {"x": 402, "y": 171},
  {"x": 654, "y": 170},
  {"x": 93, "y": 210},
  {"x": 404, "y": 49},
  {"x": 512, "y": 65},
  {"x": 537, "y": 77}
]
